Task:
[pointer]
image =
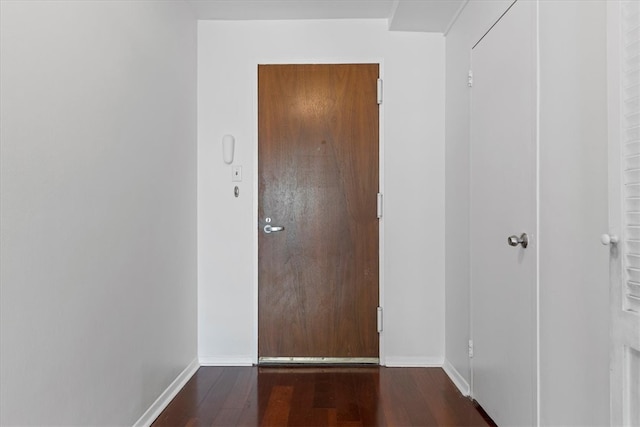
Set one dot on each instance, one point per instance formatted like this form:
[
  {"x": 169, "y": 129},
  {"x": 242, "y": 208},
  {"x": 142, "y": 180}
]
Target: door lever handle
[
  {"x": 272, "y": 229},
  {"x": 514, "y": 240}
]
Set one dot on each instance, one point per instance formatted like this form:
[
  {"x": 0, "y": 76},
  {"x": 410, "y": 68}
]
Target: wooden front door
[{"x": 318, "y": 179}]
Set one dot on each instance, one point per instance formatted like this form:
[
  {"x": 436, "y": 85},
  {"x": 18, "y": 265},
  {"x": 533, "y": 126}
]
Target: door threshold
[{"x": 318, "y": 361}]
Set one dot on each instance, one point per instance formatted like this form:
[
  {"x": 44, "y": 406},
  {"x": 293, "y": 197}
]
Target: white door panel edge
[
  {"x": 623, "y": 21},
  {"x": 504, "y": 204}
]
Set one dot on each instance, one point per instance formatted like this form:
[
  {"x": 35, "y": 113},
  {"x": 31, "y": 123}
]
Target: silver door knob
[
  {"x": 609, "y": 239},
  {"x": 272, "y": 229},
  {"x": 514, "y": 240}
]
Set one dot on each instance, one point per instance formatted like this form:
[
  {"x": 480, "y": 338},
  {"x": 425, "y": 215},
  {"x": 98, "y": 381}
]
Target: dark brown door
[{"x": 318, "y": 178}]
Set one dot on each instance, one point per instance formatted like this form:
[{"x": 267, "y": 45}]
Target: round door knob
[
  {"x": 609, "y": 239},
  {"x": 514, "y": 240}
]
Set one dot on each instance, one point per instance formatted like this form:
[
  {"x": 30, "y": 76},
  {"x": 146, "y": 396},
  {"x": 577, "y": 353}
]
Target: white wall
[
  {"x": 475, "y": 19},
  {"x": 98, "y": 192},
  {"x": 413, "y": 122},
  {"x": 573, "y": 205},
  {"x": 574, "y": 281}
]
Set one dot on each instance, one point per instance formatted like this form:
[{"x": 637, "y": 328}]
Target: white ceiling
[
  {"x": 424, "y": 15},
  {"x": 402, "y": 15}
]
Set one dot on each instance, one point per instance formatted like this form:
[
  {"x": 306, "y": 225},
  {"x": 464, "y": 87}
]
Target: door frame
[
  {"x": 615, "y": 202},
  {"x": 254, "y": 169},
  {"x": 619, "y": 393}
]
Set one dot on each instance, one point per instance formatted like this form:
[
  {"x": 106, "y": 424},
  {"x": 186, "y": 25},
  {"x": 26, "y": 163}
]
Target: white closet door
[
  {"x": 624, "y": 191},
  {"x": 503, "y": 203}
]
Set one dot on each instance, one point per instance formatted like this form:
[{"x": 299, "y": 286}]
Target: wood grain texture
[
  {"x": 321, "y": 396},
  {"x": 318, "y": 162}
]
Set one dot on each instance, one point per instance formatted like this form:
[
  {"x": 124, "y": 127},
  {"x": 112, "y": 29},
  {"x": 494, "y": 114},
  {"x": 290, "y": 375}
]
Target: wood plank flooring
[{"x": 321, "y": 396}]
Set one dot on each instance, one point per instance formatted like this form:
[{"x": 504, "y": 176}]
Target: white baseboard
[
  {"x": 457, "y": 379},
  {"x": 165, "y": 398},
  {"x": 413, "y": 362},
  {"x": 226, "y": 361}
]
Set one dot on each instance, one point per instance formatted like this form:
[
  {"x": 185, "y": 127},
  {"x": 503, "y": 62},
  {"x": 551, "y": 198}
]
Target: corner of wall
[
  {"x": 413, "y": 362},
  {"x": 457, "y": 378},
  {"x": 227, "y": 361},
  {"x": 167, "y": 396}
]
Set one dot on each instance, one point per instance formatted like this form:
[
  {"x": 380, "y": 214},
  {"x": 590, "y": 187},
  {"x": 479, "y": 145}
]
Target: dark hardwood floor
[{"x": 321, "y": 396}]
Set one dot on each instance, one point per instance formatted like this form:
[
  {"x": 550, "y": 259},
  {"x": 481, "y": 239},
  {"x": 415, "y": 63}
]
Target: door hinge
[
  {"x": 379, "y": 318},
  {"x": 470, "y": 79},
  {"x": 470, "y": 349},
  {"x": 379, "y": 91},
  {"x": 379, "y": 206}
]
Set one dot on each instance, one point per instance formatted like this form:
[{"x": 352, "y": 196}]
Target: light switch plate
[{"x": 236, "y": 172}]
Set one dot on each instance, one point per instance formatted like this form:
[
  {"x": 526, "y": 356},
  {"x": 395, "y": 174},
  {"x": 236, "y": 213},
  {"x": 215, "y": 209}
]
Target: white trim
[
  {"x": 254, "y": 210},
  {"x": 455, "y": 18},
  {"x": 227, "y": 361},
  {"x": 537, "y": 380},
  {"x": 414, "y": 362},
  {"x": 167, "y": 396},
  {"x": 381, "y": 221},
  {"x": 615, "y": 202},
  {"x": 469, "y": 223},
  {"x": 456, "y": 378},
  {"x": 381, "y": 148}
]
